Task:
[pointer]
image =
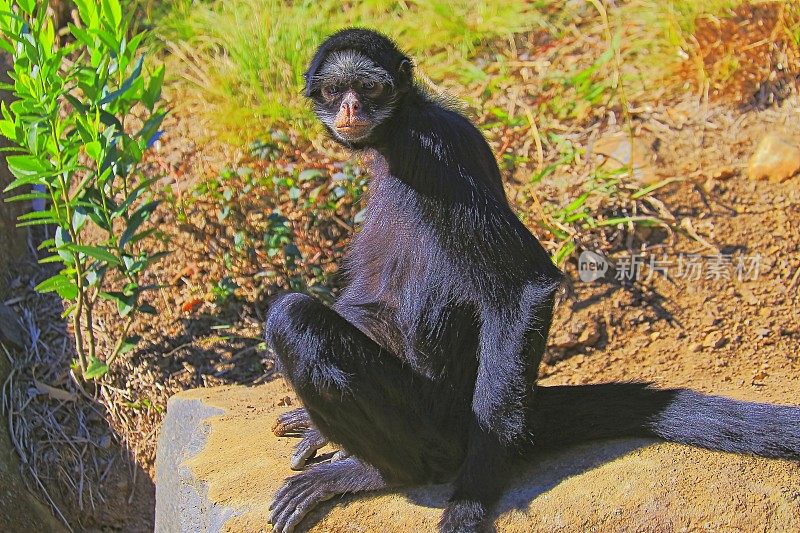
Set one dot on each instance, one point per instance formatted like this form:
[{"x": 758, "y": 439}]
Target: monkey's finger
[
  {"x": 282, "y": 517},
  {"x": 303, "y": 508},
  {"x": 312, "y": 441},
  {"x": 281, "y": 508},
  {"x": 291, "y": 486},
  {"x": 294, "y": 420},
  {"x": 308, "y": 502}
]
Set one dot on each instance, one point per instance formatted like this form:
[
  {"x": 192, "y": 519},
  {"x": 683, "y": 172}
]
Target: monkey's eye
[
  {"x": 330, "y": 91},
  {"x": 371, "y": 87}
]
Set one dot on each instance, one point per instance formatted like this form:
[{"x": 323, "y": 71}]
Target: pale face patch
[{"x": 346, "y": 72}]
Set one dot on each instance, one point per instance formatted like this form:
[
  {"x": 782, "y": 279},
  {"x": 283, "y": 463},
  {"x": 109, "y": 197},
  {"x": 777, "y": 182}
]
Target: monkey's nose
[{"x": 352, "y": 108}]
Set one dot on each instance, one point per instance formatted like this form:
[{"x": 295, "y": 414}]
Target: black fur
[
  {"x": 380, "y": 49},
  {"x": 426, "y": 366}
]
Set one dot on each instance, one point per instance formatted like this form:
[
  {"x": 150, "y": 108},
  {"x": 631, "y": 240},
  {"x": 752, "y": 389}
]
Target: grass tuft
[{"x": 245, "y": 58}]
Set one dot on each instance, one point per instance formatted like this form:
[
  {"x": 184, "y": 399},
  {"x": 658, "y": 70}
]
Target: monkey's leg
[
  {"x": 357, "y": 394},
  {"x": 303, "y": 492}
]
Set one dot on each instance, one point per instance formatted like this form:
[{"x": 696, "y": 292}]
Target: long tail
[{"x": 572, "y": 414}]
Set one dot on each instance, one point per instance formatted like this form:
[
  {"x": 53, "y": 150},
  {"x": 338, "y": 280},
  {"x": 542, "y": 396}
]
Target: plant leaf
[
  {"x": 101, "y": 254},
  {"x": 95, "y": 369},
  {"x": 136, "y": 220},
  {"x": 60, "y": 284},
  {"x": 94, "y": 150},
  {"x": 129, "y": 344}
]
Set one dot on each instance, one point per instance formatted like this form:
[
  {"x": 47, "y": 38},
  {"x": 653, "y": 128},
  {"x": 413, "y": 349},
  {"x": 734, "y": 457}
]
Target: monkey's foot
[
  {"x": 463, "y": 516},
  {"x": 299, "y": 495}
]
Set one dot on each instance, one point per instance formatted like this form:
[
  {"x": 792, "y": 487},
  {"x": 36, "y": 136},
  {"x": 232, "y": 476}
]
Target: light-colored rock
[
  {"x": 776, "y": 158},
  {"x": 229, "y": 466},
  {"x": 617, "y": 151},
  {"x": 715, "y": 340}
]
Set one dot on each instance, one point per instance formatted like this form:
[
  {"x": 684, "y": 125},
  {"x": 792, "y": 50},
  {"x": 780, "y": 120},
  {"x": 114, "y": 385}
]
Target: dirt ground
[{"x": 716, "y": 333}]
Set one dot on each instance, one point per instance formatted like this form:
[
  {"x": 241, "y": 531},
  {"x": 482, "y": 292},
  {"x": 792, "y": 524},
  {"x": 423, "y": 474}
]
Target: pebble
[
  {"x": 762, "y": 332},
  {"x": 714, "y": 340},
  {"x": 618, "y": 151},
  {"x": 776, "y": 158}
]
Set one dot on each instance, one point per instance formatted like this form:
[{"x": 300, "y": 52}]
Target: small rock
[
  {"x": 714, "y": 340},
  {"x": 564, "y": 341},
  {"x": 590, "y": 336},
  {"x": 285, "y": 401},
  {"x": 618, "y": 151},
  {"x": 724, "y": 173},
  {"x": 759, "y": 377},
  {"x": 695, "y": 347},
  {"x": 776, "y": 158},
  {"x": 762, "y": 332}
]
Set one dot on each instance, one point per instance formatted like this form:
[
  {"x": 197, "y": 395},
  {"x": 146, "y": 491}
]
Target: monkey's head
[{"x": 356, "y": 79}]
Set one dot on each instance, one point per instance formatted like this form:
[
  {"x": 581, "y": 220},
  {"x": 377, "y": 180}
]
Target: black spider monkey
[{"x": 425, "y": 368}]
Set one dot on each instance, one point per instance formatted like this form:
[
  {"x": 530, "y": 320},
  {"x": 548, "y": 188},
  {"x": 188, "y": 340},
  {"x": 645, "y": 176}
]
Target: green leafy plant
[
  {"x": 224, "y": 290},
  {"x": 85, "y": 113}
]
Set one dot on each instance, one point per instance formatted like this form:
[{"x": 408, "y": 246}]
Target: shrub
[{"x": 85, "y": 113}]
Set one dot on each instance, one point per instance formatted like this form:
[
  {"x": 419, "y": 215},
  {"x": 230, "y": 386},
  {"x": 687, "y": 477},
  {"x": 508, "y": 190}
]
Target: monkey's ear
[
  {"x": 404, "y": 72},
  {"x": 308, "y": 90},
  {"x": 316, "y": 64}
]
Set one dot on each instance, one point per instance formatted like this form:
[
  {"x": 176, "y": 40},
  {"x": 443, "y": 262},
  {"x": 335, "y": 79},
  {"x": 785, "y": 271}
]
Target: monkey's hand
[
  {"x": 299, "y": 495},
  {"x": 463, "y": 516},
  {"x": 292, "y": 423},
  {"x": 297, "y": 423}
]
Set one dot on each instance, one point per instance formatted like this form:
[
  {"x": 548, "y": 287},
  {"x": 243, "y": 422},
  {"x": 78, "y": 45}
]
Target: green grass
[
  {"x": 241, "y": 61},
  {"x": 245, "y": 58}
]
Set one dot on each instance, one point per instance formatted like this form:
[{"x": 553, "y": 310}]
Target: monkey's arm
[{"x": 512, "y": 340}]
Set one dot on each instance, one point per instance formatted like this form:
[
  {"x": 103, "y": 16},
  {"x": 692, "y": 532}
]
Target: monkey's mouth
[{"x": 353, "y": 130}]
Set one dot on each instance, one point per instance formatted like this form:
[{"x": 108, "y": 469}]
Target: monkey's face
[{"x": 352, "y": 96}]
